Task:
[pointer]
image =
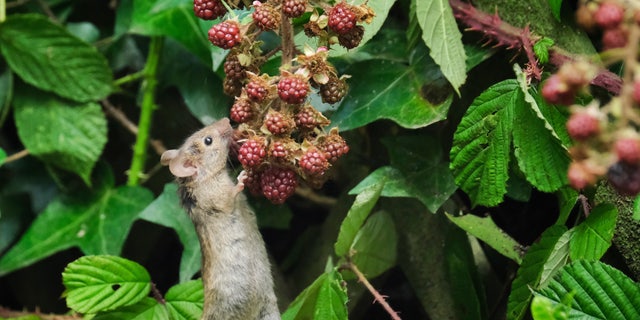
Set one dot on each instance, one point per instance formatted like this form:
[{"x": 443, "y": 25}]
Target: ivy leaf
[
  {"x": 530, "y": 272},
  {"x": 146, "y": 309},
  {"x": 47, "y": 56},
  {"x": 97, "y": 222},
  {"x": 375, "y": 245},
  {"x": 601, "y": 291},
  {"x": 101, "y": 283},
  {"x": 592, "y": 238},
  {"x": 62, "y": 133},
  {"x": 324, "y": 299},
  {"x": 356, "y": 216},
  {"x": 541, "y": 47},
  {"x": 185, "y": 300},
  {"x": 487, "y": 231},
  {"x": 167, "y": 211},
  {"x": 384, "y": 89},
  {"x": 440, "y": 33}
]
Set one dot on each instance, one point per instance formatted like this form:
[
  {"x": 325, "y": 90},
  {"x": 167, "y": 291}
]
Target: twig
[
  {"x": 16, "y": 156},
  {"x": 129, "y": 78},
  {"x": 312, "y": 196},
  {"x": 376, "y": 295},
  {"x": 156, "y": 294},
  {"x": 288, "y": 47},
  {"x": 119, "y": 116},
  {"x": 6, "y": 313},
  {"x": 586, "y": 208}
]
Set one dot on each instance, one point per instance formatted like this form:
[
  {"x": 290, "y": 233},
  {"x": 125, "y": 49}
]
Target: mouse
[{"x": 236, "y": 273}]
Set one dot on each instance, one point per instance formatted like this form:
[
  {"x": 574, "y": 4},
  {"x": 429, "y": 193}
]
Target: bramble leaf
[
  {"x": 358, "y": 213},
  {"x": 185, "y": 300},
  {"x": 592, "y": 237},
  {"x": 375, "y": 245},
  {"x": 146, "y": 309},
  {"x": 3, "y": 155},
  {"x": 324, "y": 299},
  {"x": 541, "y": 48}
]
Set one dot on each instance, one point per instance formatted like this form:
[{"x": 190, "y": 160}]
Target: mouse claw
[{"x": 241, "y": 178}]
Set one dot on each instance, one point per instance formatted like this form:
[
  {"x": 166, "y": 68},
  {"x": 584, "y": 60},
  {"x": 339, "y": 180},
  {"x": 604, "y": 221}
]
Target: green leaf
[
  {"x": 592, "y": 238},
  {"x": 47, "y": 56},
  {"x": 544, "y": 309},
  {"x": 97, "y": 222},
  {"x": 541, "y": 47},
  {"x": 558, "y": 258},
  {"x": 487, "y": 231},
  {"x": 531, "y": 270},
  {"x": 6, "y": 93},
  {"x": 324, "y": 299},
  {"x": 555, "y": 5},
  {"x": 102, "y": 283},
  {"x": 356, "y": 216},
  {"x": 636, "y": 208},
  {"x": 3, "y": 155},
  {"x": 567, "y": 198},
  {"x": 86, "y": 31},
  {"x": 167, "y": 211},
  {"x": 146, "y": 309},
  {"x": 413, "y": 96},
  {"x": 440, "y": 33},
  {"x": 481, "y": 145},
  {"x": 62, "y": 133},
  {"x": 601, "y": 291},
  {"x": 185, "y": 300},
  {"x": 270, "y": 216},
  {"x": 375, "y": 245}
]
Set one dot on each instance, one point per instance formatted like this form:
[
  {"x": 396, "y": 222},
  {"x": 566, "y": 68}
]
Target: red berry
[
  {"x": 278, "y": 151},
  {"x": 609, "y": 15},
  {"x": 628, "y": 150},
  {"x": 278, "y": 184},
  {"x": 334, "y": 147},
  {"x": 208, "y": 9},
  {"x": 579, "y": 176},
  {"x": 232, "y": 67},
  {"x": 352, "y": 38},
  {"x": 314, "y": 162},
  {"x": 293, "y": 89},
  {"x": 225, "y": 34},
  {"x": 582, "y": 126},
  {"x": 625, "y": 178},
  {"x": 252, "y": 182},
  {"x": 309, "y": 118},
  {"x": 333, "y": 91},
  {"x": 294, "y": 8},
  {"x": 241, "y": 111},
  {"x": 277, "y": 123},
  {"x": 614, "y": 38},
  {"x": 252, "y": 152},
  {"x": 266, "y": 16},
  {"x": 342, "y": 18},
  {"x": 256, "y": 90},
  {"x": 556, "y": 91}
]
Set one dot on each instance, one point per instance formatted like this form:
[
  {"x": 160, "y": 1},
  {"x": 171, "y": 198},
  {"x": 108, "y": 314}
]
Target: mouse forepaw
[{"x": 241, "y": 178}]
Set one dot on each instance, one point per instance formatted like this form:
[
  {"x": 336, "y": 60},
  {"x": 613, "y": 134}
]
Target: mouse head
[{"x": 203, "y": 153}]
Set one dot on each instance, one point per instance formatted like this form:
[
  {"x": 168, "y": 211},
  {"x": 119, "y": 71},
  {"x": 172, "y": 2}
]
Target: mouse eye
[{"x": 208, "y": 141}]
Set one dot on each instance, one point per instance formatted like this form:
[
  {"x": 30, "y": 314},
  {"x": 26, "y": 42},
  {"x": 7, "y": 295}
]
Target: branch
[
  {"x": 315, "y": 197},
  {"x": 288, "y": 47},
  {"x": 119, "y": 116},
  {"x": 376, "y": 295},
  {"x": 16, "y": 156}
]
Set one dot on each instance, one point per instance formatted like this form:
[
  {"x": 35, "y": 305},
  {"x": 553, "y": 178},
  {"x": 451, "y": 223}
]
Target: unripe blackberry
[
  {"x": 293, "y": 89},
  {"x": 579, "y": 176},
  {"x": 278, "y": 184},
  {"x": 314, "y": 162},
  {"x": 625, "y": 178},
  {"x": 309, "y": 118},
  {"x": 257, "y": 89},
  {"x": 241, "y": 111},
  {"x": 333, "y": 91},
  {"x": 582, "y": 126},
  {"x": 294, "y": 8},
  {"x": 208, "y": 9},
  {"x": 609, "y": 15},
  {"x": 231, "y": 87},
  {"x": 252, "y": 152},
  {"x": 334, "y": 147},
  {"x": 266, "y": 16},
  {"x": 342, "y": 19},
  {"x": 628, "y": 150},
  {"x": 278, "y": 123},
  {"x": 225, "y": 34},
  {"x": 556, "y": 91},
  {"x": 352, "y": 38},
  {"x": 615, "y": 38}
]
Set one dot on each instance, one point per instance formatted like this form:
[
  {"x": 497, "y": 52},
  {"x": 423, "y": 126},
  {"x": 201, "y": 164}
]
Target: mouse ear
[
  {"x": 168, "y": 156},
  {"x": 178, "y": 165}
]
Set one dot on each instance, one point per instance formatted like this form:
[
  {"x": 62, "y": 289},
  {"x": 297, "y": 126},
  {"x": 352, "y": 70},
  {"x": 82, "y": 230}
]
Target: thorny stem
[
  {"x": 156, "y": 294},
  {"x": 119, "y": 116},
  {"x": 144, "y": 124},
  {"x": 16, "y": 156},
  {"x": 376, "y": 295},
  {"x": 630, "y": 64},
  {"x": 129, "y": 78}
]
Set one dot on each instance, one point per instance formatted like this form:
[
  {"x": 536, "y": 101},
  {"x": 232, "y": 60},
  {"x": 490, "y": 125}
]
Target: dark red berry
[
  {"x": 252, "y": 182},
  {"x": 266, "y": 16},
  {"x": 252, "y": 152},
  {"x": 278, "y": 184},
  {"x": 241, "y": 111},
  {"x": 232, "y": 67},
  {"x": 294, "y": 8},
  {"x": 208, "y": 9},
  {"x": 256, "y": 90},
  {"x": 614, "y": 38},
  {"x": 609, "y": 15},
  {"x": 308, "y": 118},
  {"x": 293, "y": 89},
  {"x": 333, "y": 91},
  {"x": 225, "y": 34},
  {"x": 277, "y": 123},
  {"x": 334, "y": 147},
  {"x": 628, "y": 150},
  {"x": 579, "y": 176},
  {"x": 352, "y": 38},
  {"x": 314, "y": 162},
  {"x": 556, "y": 91},
  {"x": 582, "y": 126},
  {"x": 342, "y": 18},
  {"x": 625, "y": 178},
  {"x": 232, "y": 87}
]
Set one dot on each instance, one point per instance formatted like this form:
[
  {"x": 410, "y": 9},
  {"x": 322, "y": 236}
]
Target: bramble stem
[
  {"x": 148, "y": 104},
  {"x": 129, "y": 78},
  {"x": 376, "y": 295},
  {"x": 288, "y": 47},
  {"x": 16, "y": 156}
]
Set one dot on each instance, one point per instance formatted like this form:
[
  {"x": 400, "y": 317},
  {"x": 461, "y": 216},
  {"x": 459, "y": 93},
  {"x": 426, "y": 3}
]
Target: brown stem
[
  {"x": 6, "y": 313},
  {"x": 586, "y": 208},
  {"x": 376, "y": 295},
  {"x": 119, "y": 116},
  {"x": 288, "y": 47},
  {"x": 312, "y": 196},
  {"x": 156, "y": 294},
  {"x": 16, "y": 156}
]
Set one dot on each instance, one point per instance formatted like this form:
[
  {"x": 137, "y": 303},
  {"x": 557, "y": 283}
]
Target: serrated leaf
[
  {"x": 185, "y": 300},
  {"x": 102, "y": 283},
  {"x": 601, "y": 291},
  {"x": 530, "y": 271},
  {"x": 558, "y": 258},
  {"x": 47, "y": 56},
  {"x": 358, "y": 213},
  {"x": 383, "y": 89},
  {"x": 567, "y": 198},
  {"x": 440, "y": 33},
  {"x": 62, "y": 133},
  {"x": 544, "y": 309},
  {"x": 97, "y": 222},
  {"x": 487, "y": 231},
  {"x": 592, "y": 238},
  {"x": 375, "y": 245},
  {"x": 555, "y": 5},
  {"x": 482, "y": 142},
  {"x": 541, "y": 47},
  {"x": 146, "y": 309},
  {"x": 167, "y": 211},
  {"x": 636, "y": 208},
  {"x": 325, "y": 298}
]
